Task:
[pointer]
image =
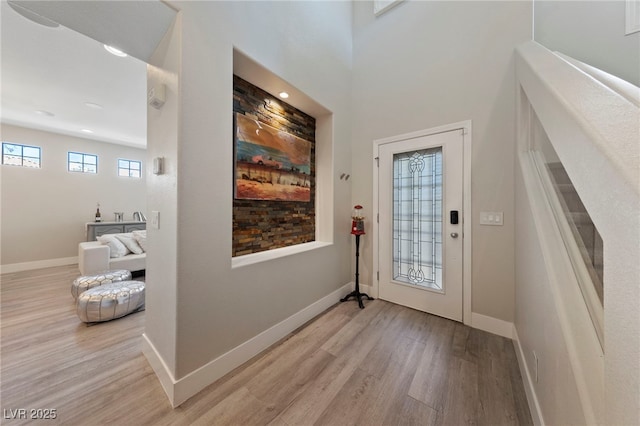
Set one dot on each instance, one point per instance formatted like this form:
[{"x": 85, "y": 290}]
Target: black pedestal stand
[{"x": 356, "y": 293}]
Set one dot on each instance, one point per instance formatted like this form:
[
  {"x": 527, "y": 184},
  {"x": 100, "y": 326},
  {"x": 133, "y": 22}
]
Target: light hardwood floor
[{"x": 384, "y": 365}]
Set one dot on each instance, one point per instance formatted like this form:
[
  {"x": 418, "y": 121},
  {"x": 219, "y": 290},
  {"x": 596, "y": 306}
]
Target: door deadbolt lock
[{"x": 453, "y": 217}]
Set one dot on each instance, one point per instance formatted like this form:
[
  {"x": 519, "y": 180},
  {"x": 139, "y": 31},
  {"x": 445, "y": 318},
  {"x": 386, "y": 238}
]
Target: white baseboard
[
  {"x": 37, "y": 264},
  {"x": 182, "y": 389},
  {"x": 492, "y": 325},
  {"x": 532, "y": 398},
  {"x": 163, "y": 372}
]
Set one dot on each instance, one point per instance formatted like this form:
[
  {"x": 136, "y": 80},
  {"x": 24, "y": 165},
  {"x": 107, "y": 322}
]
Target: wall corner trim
[
  {"x": 492, "y": 325},
  {"x": 37, "y": 264},
  {"x": 530, "y": 390},
  {"x": 182, "y": 389},
  {"x": 159, "y": 367}
]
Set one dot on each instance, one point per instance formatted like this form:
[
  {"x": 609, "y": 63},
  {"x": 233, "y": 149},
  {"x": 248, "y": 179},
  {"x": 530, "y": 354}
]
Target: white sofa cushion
[
  {"x": 117, "y": 249},
  {"x": 129, "y": 242},
  {"x": 141, "y": 238}
]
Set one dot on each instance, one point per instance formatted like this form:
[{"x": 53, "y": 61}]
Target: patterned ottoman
[
  {"x": 82, "y": 284},
  {"x": 110, "y": 301}
]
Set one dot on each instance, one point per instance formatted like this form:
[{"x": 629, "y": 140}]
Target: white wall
[
  {"x": 44, "y": 210},
  {"x": 538, "y": 325},
  {"x": 163, "y": 128},
  {"x": 595, "y": 134},
  {"x": 217, "y": 307},
  {"x": 592, "y": 32},
  {"x": 426, "y": 64}
]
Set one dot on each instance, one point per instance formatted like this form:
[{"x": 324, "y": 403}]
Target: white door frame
[{"x": 467, "y": 215}]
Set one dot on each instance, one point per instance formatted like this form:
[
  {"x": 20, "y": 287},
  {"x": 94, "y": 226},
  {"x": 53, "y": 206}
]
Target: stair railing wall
[
  {"x": 588, "y": 279},
  {"x": 596, "y": 135}
]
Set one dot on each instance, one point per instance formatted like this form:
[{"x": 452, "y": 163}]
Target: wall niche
[{"x": 260, "y": 225}]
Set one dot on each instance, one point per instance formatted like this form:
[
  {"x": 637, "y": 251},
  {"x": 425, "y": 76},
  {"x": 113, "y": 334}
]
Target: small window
[
  {"x": 20, "y": 155},
  {"x": 129, "y": 168},
  {"x": 83, "y": 163}
]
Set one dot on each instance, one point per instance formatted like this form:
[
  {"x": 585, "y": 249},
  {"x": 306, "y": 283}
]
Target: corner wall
[
  {"x": 163, "y": 134},
  {"x": 426, "y": 64},
  {"x": 44, "y": 210},
  {"x": 218, "y": 308}
]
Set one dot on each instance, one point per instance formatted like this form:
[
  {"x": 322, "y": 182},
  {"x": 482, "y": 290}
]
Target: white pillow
[
  {"x": 117, "y": 249},
  {"x": 130, "y": 243},
  {"x": 141, "y": 239}
]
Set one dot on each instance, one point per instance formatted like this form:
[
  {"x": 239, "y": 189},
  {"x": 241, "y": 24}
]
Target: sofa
[{"x": 113, "y": 251}]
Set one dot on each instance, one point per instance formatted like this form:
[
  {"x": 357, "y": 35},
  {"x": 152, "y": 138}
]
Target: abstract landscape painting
[{"x": 270, "y": 164}]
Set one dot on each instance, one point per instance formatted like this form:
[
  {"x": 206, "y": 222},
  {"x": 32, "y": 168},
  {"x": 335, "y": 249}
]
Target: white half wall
[
  {"x": 44, "y": 210},
  {"x": 542, "y": 349},
  {"x": 595, "y": 134}
]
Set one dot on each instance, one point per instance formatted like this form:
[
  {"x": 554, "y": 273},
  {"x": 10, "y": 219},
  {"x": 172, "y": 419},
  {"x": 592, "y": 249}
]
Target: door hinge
[
  {"x": 378, "y": 217},
  {"x": 378, "y": 275},
  {"x": 377, "y": 161}
]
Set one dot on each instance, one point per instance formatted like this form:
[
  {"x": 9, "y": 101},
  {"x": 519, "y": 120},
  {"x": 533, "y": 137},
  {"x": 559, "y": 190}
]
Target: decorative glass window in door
[{"x": 417, "y": 218}]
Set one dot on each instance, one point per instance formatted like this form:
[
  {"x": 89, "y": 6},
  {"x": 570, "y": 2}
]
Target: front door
[{"x": 420, "y": 224}]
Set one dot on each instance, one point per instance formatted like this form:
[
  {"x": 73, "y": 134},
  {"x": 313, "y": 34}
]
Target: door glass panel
[{"x": 417, "y": 218}]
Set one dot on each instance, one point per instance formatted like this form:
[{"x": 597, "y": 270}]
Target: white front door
[{"x": 420, "y": 200}]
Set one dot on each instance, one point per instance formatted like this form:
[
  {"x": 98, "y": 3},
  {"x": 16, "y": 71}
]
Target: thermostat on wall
[{"x": 158, "y": 165}]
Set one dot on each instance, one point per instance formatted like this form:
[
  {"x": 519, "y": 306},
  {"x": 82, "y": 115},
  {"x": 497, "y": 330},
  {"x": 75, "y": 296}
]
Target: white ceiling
[{"x": 58, "y": 70}]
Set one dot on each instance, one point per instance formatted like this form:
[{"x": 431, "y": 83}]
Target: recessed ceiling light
[
  {"x": 115, "y": 51},
  {"x": 86, "y": 131},
  {"x": 45, "y": 113},
  {"x": 283, "y": 95},
  {"x": 93, "y": 105}
]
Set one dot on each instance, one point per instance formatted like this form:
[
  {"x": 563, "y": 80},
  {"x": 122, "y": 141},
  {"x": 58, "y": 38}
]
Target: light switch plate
[
  {"x": 155, "y": 219},
  {"x": 491, "y": 218}
]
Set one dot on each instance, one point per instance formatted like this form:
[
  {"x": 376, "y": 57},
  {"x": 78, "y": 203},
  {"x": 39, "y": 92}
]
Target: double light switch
[{"x": 491, "y": 218}]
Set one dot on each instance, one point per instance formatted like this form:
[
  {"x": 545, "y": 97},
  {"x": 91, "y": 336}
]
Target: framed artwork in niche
[{"x": 270, "y": 164}]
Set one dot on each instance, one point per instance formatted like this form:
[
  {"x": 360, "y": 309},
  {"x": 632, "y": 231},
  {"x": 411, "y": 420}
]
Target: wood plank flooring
[{"x": 384, "y": 365}]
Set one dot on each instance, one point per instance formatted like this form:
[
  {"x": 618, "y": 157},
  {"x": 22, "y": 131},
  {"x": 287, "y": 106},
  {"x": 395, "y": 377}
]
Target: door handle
[{"x": 454, "y": 235}]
